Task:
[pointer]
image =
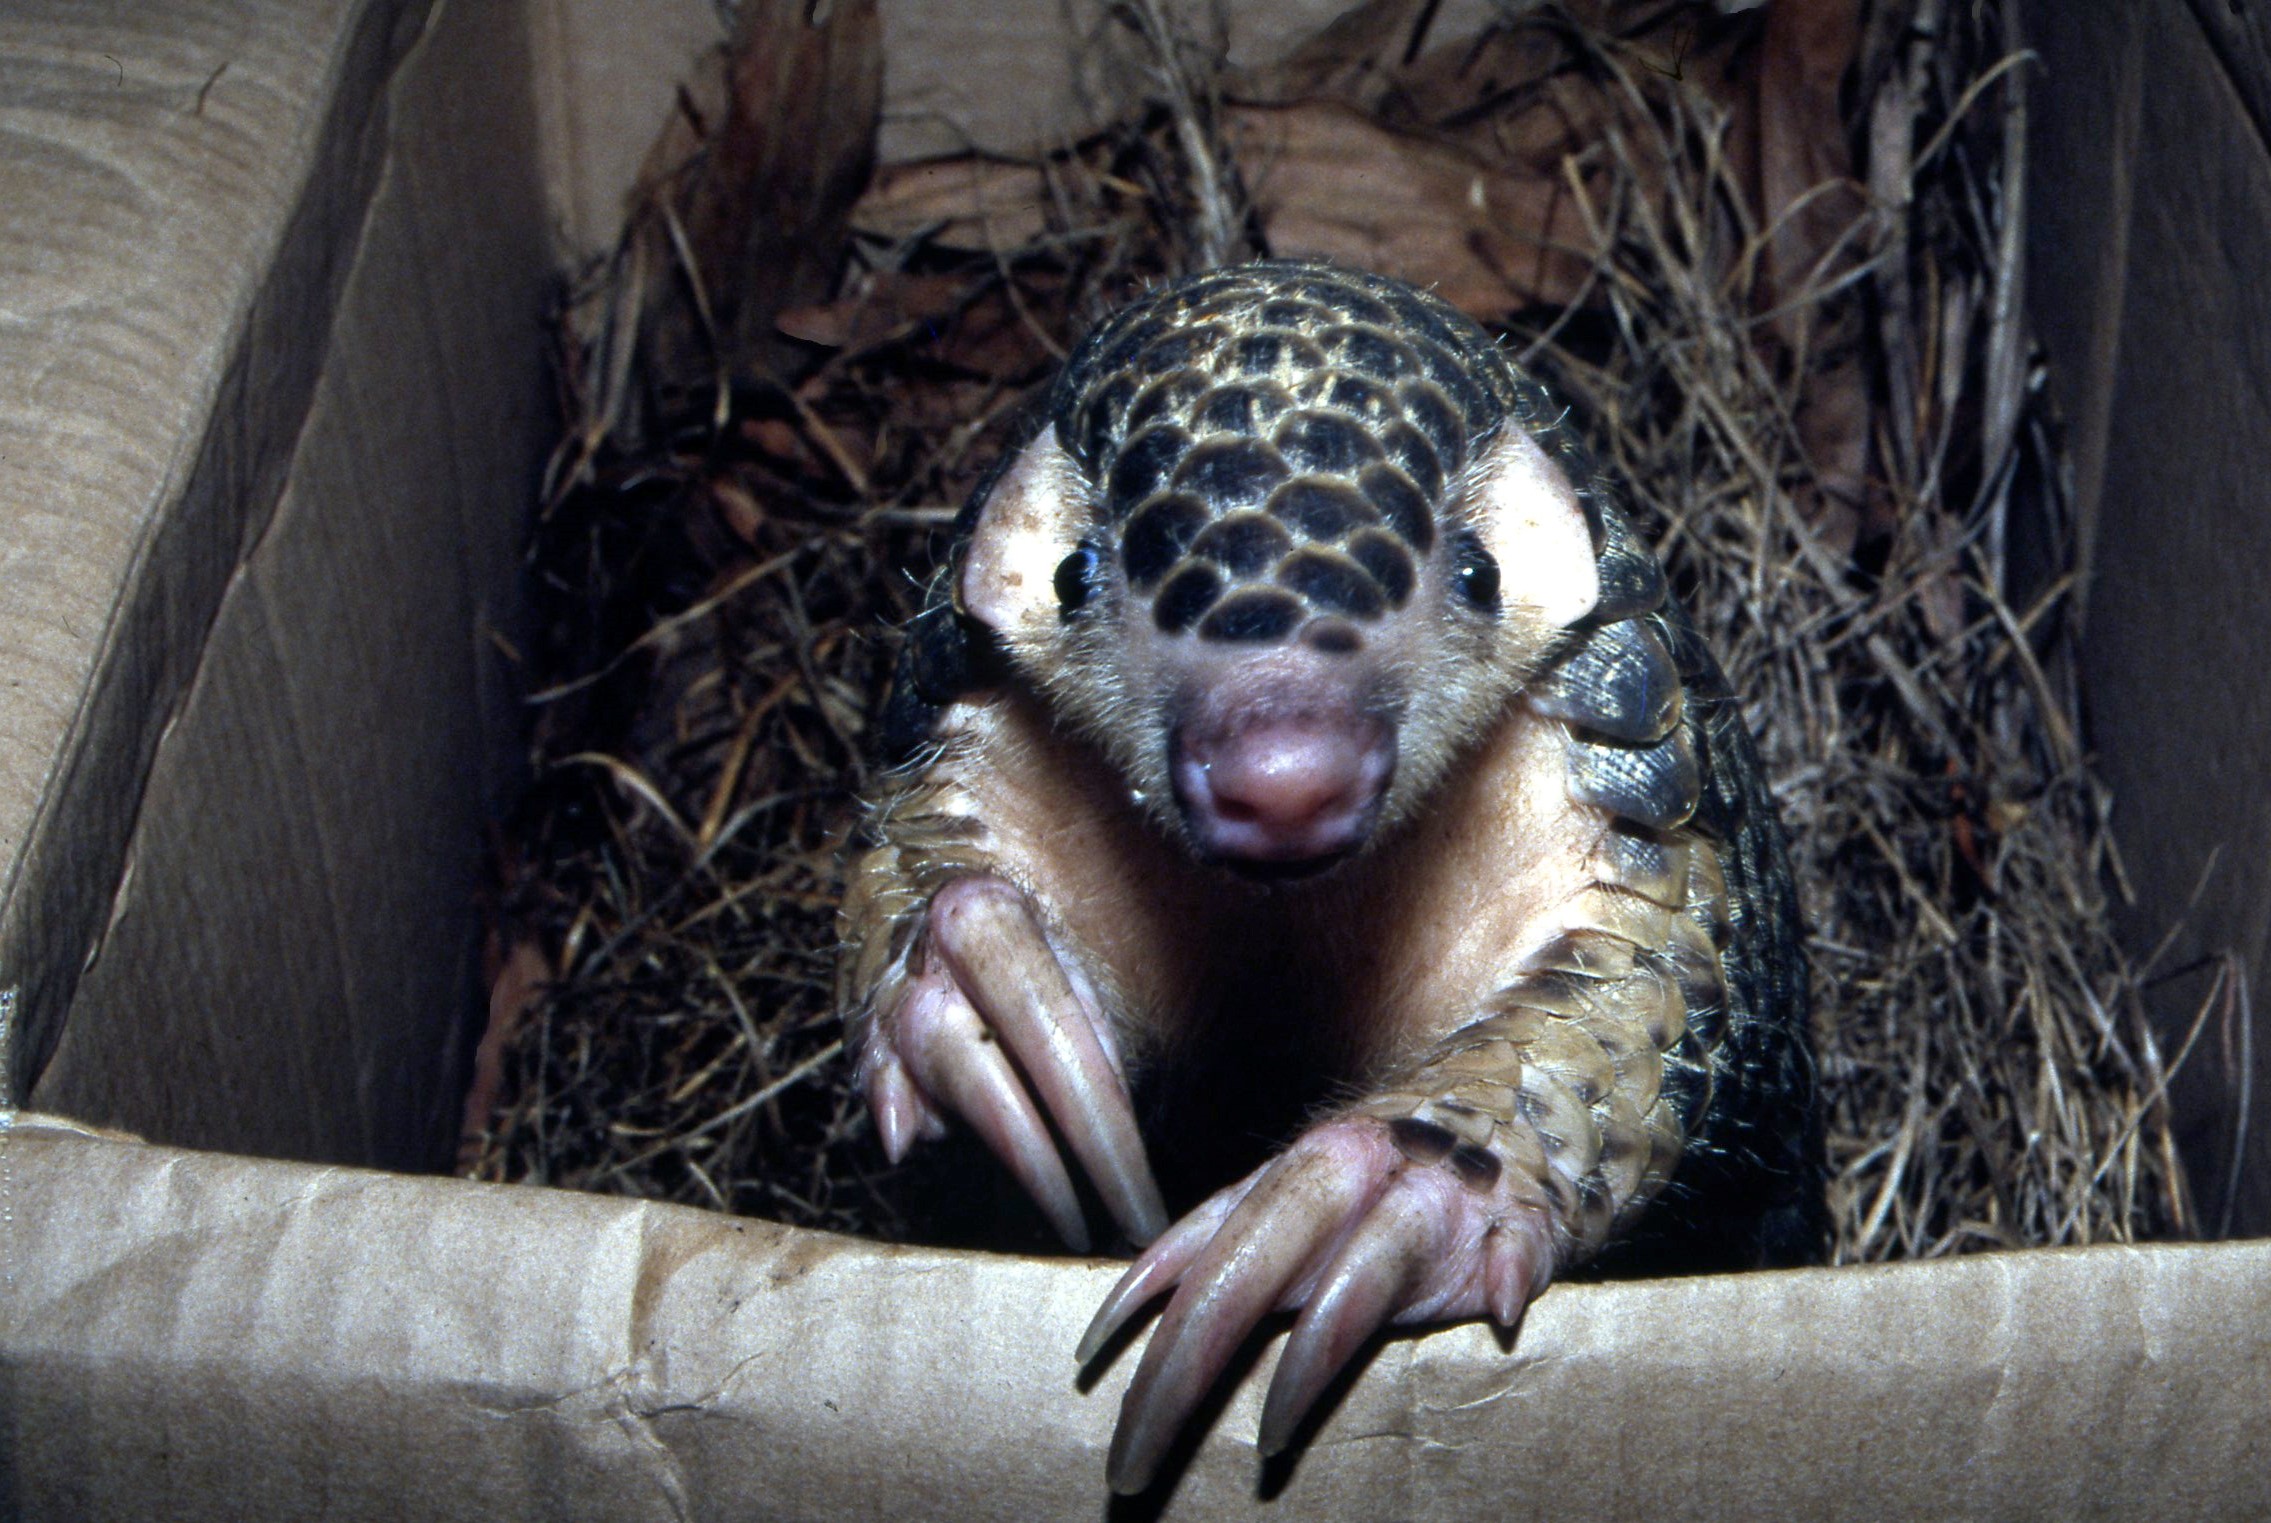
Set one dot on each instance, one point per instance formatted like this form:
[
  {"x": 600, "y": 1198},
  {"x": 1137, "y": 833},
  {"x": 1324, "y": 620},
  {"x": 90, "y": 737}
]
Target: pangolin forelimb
[{"x": 988, "y": 1024}]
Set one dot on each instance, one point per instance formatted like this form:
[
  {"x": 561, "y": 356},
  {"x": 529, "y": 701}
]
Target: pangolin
[{"x": 1314, "y": 815}]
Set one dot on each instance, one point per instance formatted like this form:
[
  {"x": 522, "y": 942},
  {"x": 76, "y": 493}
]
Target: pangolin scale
[{"x": 1310, "y": 800}]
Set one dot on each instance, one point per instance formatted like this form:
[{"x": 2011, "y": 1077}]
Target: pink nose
[{"x": 1297, "y": 789}]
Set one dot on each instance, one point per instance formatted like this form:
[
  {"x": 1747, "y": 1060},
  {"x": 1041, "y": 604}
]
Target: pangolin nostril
[{"x": 1297, "y": 789}]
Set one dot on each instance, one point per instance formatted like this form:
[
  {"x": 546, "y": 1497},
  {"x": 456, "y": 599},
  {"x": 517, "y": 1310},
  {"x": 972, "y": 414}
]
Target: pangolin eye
[
  {"x": 1076, "y": 578},
  {"x": 1474, "y": 572}
]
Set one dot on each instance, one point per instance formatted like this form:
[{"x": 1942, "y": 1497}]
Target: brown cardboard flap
[
  {"x": 197, "y": 1336},
  {"x": 177, "y": 184},
  {"x": 285, "y": 958},
  {"x": 2150, "y": 210}
]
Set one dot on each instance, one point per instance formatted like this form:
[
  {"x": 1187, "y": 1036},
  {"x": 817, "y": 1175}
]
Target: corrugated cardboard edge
[
  {"x": 2150, "y": 210},
  {"x": 178, "y": 184},
  {"x": 300, "y": 906},
  {"x": 197, "y": 1336}
]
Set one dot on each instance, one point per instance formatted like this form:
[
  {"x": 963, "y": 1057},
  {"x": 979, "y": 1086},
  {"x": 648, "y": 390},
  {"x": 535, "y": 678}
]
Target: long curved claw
[
  {"x": 943, "y": 1043},
  {"x": 1350, "y": 1224},
  {"x": 1258, "y": 1258},
  {"x": 897, "y": 1108},
  {"x": 1370, "y": 1280},
  {"x": 990, "y": 939},
  {"x": 1162, "y": 1264},
  {"x": 1515, "y": 1268}
]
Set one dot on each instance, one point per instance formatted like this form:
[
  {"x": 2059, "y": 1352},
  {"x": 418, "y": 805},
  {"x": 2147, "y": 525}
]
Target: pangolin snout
[{"x": 1293, "y": 792}]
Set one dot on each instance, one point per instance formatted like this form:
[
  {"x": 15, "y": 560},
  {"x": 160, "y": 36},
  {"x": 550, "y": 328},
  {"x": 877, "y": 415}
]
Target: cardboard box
[{"x": 272, "y": 402}]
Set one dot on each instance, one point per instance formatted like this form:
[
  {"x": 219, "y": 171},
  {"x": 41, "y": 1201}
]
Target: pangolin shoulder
[{"x": 1659, "y": 741}]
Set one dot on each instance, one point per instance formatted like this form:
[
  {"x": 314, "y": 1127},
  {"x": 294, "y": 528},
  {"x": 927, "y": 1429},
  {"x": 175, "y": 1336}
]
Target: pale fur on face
[{"x": 1437, "y": 669}]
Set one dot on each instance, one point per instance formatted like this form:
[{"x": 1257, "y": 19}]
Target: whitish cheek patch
[
  {"x": 1530, "y": 521},
  {"x": 1027, "y": 527}
]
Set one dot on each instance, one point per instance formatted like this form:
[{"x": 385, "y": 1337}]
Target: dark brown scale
[
  {"x": 1618, "y": 682},
  {"x": 1368, "y": 351},
  {"x": 1536, "y": 1108},
  {"x": 1231, "y": 473},
  {"x": 1228, "y": 303},
  {"x": 1315, "y": 440},
  {"x": 1181, "y": 348},
  {"x": 1097, "y": 429},
  {"x": 1337, "y": 291},
  {"x": 1333, "y": 583},
  {"x": 1701, "y": 985},
  {"x": 1657, "y": 785},
  {"x": 1387, "y": 562},
  {"x": 1273, "y": 351},
  {"x": 1292, "y": 314},
  {"x": 1368, "y": 401},
  {"x": 1687, "y": 1073},
  {"x": 1421, "y": 1141},
  {"x": 1257, "y": 614},
  {"x": 1145, "y": 463},
  {"x": 1321, "y": 509},
  {"x": 1415, "y": 457},
  {"x": 1631, "y": 580},
  {"x": 1715, "y": 918},
  {"x": 1246, "y": 408},
  {"x": 1437, "y": 420},
  {"x": 1189, "y": 593},
  {"x": 1119, "y": 357},
  {"x": 1401, "y": 504},
  {"x": 1475, "y": 405},
  {"x": 1478, "y": 1168},
  {"x": 1157, "y": 537},
  {"x": 1708, "y": 1022},
  {"x": 1245, "y": 545},
  {"x": 1421, "y": 316},
  {"x": 1258, "y": 354},
  {"x": 1170, "y": 396}
]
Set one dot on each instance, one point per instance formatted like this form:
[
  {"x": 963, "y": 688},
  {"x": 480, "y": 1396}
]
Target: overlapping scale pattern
[{"x": 1275, "y": 442}]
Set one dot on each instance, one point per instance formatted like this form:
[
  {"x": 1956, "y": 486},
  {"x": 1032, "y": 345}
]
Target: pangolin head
[{"x": 1280, "y": 501}]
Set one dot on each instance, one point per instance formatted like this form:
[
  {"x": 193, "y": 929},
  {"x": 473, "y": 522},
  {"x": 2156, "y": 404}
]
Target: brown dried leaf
[
  {"x": 1788, "y": 120},
  {"x": 736, "y": 505},
  {"x": 1356, "y": 58},
  {"x": 522, "y": 976},
  {"x": 1833, "y": 420},
  {"x": 744, "y": 199},
  {"x": 876, "y": 309},
  {"x": 965, "y": 203},
  {"x": 973, "y": 329},
  {"x": 1327, "y": 182},
  {"x": 1483, "y": 91}
]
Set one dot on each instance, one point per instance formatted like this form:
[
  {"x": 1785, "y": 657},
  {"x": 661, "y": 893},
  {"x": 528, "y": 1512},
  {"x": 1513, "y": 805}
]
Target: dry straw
[{"x": 1818, "y": 386}]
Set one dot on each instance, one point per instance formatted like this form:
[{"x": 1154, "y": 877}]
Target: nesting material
[{"x": 1772, "y": 261}]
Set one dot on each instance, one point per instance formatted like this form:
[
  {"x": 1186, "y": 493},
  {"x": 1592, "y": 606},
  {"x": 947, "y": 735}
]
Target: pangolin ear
[
  {"x": 1529, "y": 519},
  {"x": 1027, "y": 525}
]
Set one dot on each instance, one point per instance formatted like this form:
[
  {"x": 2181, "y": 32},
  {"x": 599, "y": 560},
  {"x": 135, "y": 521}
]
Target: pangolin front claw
[
  {"x": 988, "y": 1026},
  {"x": 1345, "y": 1226}
]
